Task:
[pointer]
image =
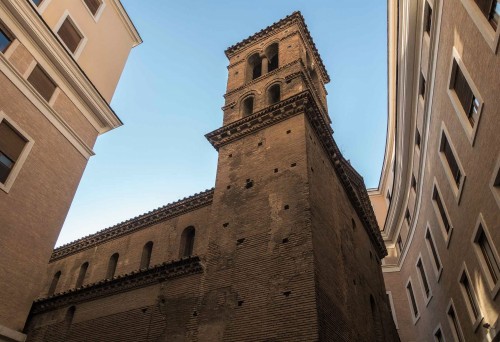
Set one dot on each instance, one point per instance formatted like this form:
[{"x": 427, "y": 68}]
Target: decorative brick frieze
[
  {"x": 163, "y": 213},
  {"x": 120, "y": 283}
]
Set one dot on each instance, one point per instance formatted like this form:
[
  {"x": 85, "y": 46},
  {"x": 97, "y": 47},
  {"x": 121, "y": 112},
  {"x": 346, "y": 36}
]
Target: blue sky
[{"x": 171, "y": 94}]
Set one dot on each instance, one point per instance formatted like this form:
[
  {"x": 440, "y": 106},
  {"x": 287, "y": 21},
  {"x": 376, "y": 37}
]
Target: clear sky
[{"x": 171, "y": 94}]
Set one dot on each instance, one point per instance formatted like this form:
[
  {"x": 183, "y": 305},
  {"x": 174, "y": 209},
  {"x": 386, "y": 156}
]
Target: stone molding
[
  {"x": 304, "y": 103},
  {"x": 120, "y": 283},
  {"x": 294, "y": 18},
  {"x": 166, "y": 212}
]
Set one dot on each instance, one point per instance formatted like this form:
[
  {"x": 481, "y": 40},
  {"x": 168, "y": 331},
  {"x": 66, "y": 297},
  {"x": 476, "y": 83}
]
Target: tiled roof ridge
[
  {"x": 295, "y": 16},
  {"x": 169, "y": 210}
]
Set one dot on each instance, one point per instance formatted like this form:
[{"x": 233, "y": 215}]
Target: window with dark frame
[
  {"x": 413, "y": 182},
  {"x": 11, "y": 147},
  {"x": 421, "y": 90},
  {"x": 274, "y": 94},
  {"x": 433, "y": 249},
  {"x": 417, "y": 138},
  {"x": 37, "y": 2},
  {"x": 455, "y": 325},
  {"x": 470, "y": 295},
  {"x": 451, "y": 160},
  {"x": 438, "y": 336},
  {"x": 496, "y": 183},
  {"x": 413, "y": 302},
  {"x": 468, "y": 100},
  {"x": 42, "y": 83},
  {"x": 491, "y": 10},
  {"x": 187, "y": 242},
  {"x": 408, "y": 217},
  {"x": 428, "y": 18},
  {"x": 442, "y": 211},
  {"x": 5, "y": 38},
  {"x": 399, "y": 243},
  {"x": 93, "y": 5},
  {"x": 488, "y": 255},
  {"x": 70, "y": 35},
  {"x": 423, "y": 277}
]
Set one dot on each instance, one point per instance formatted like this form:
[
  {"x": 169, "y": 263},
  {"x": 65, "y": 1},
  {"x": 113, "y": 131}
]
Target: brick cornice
[
  {"x": 120, "y": 283},
  {"x": 304, "y": 103},
  {"x": 294, "y": 18},
  {"x": 163, "y": 213}
]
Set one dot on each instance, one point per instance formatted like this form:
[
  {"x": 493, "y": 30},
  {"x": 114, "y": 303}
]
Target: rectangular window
[
  {"x": 417, "y": 138},
  {"x": 421, "y": 90},
  {"x": 400, "y": 244},
  {"x": 5, "y": 39},
  {"x": 413, "y": 183},
  {"x": 407, "y": 217},
  {"x": 11, "y": 146},
  {"x": 445, "y": 148},
  {"x": 432, "y": 248},
  {"x": 496, "y": 183},
  {"x": 388, "y": 195},
  {"x": 441, "y": 210},
  {"x": 42, "y": 82},
  {"x": 455, "y": 325},
  {"x": 70, "y": 35},
  {"x": 470, "y": 296},
  {"x": 423, "y": 279},
  {"x": 491, "y": 10},
  {"x": 487, "y": 255},
  {"x": 413, "y": 303},
  {"x": 93, "y": 5},
  {"x": 438, "y": 335},
  {"x": 37, "y": 2},
  {"x": 469, "y": 102},
  {"x": 428, "y": 18}
]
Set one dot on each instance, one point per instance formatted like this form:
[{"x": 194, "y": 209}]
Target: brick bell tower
[{"x": 294, "y": 247}]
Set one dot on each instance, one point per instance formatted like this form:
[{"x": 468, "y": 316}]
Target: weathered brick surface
[{"x": 281, "y": 261}]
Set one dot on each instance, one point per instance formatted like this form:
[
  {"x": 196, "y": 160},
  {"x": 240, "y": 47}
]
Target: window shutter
[
  {"x": 42, "y": 83},
  {"x": 463, "y": 91},
  {"x": 69, "y": 35},
  {"x": 93, "y": 5},
  {"x": 11, "y": 143},
  {"x": 485, "y": 7}
]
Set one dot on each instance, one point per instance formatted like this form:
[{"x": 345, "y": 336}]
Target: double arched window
[
  {"x": 261, "y": 64},
  {"x": 187, "y": 242}
]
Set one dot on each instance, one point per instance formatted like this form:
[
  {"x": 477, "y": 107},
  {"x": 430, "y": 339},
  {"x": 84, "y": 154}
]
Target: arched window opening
[
  {"x": 113, "y": 261},
  {"x": 254, "y": 67},
  {"x": 272, "y": 57},
  {"x": 146, "y": 254},
  {"x": 81, "y": 275},
  {"x": 53, "y": 284},
  {"x": 274, "y": 94},
  {"x": 187, "y": 242},
  {"x": 70, "y": 314},
  {"x": 248, "y": 106}
]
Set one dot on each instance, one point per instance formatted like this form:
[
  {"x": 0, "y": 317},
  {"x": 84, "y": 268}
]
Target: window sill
[
  {"x": 428, "y": 300},
  {"x": 477, "y": 323}
]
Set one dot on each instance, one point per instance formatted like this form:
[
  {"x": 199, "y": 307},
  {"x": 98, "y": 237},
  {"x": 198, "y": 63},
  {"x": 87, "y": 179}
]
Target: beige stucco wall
[{"x": 108, "y": 42}]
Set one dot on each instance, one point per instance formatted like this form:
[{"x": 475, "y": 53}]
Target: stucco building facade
[
  {"x": 438, "y": 198},
  {"x": 285, "y": 247},
  {"x": 60, "y": 62}
]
